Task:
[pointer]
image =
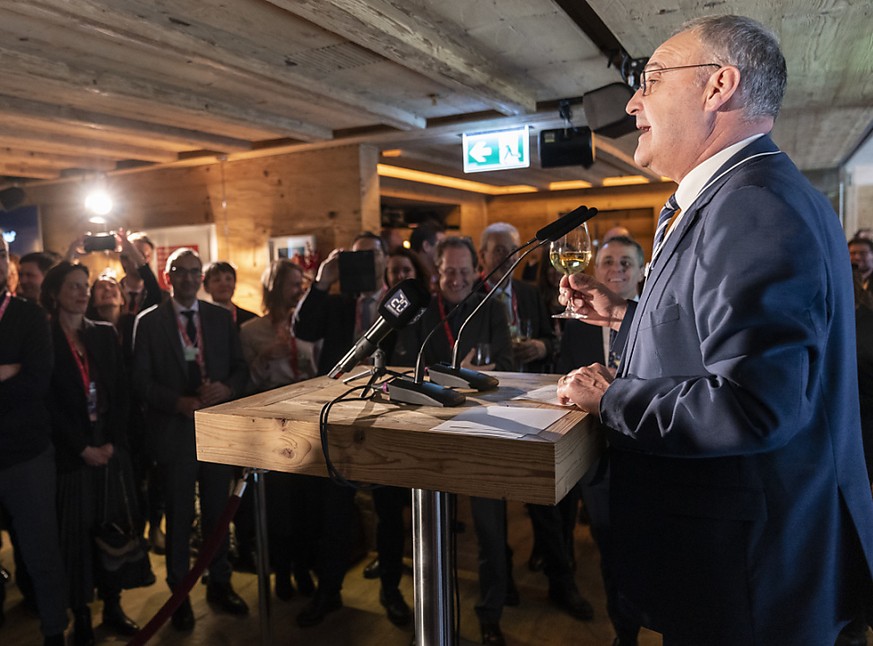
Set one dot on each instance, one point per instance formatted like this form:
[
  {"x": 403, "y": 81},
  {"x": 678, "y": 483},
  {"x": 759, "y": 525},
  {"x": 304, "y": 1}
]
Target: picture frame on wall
[{"x": 301, "y": 249}]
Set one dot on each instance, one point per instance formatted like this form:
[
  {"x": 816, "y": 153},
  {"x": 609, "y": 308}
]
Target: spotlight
[{"x": 98, "y": 202}]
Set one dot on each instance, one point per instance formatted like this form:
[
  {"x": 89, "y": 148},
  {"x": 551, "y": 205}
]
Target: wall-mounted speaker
[
  {"x": 12, "y": 197},
  {"x": 605, "y": 110},
  {"x": 566, "y": 147}
]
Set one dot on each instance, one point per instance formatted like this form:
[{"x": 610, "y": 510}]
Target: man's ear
[{"x": 722, "y": 86}]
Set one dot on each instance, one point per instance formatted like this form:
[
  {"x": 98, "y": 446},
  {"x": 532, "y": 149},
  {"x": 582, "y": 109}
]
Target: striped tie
[{"x": 664, "y": 218}]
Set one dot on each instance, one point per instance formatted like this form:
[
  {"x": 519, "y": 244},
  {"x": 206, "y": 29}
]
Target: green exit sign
[{"x": 497, "y": 150}]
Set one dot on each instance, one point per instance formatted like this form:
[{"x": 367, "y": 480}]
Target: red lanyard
[
  {"x": 186, "y": 341},
  {"x": 5, "y": 305},
  {"x": 448, "y": 330},
  {"x": 81, "y": 363},
  {"x": 233, "y": 312}
]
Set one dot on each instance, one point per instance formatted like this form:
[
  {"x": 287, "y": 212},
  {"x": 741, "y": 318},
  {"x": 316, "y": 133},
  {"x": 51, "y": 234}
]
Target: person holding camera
[{"x": 338, "y": 320}]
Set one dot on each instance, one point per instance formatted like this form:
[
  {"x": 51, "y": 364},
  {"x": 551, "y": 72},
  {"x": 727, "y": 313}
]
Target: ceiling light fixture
[{"x": 433, "y": 179}]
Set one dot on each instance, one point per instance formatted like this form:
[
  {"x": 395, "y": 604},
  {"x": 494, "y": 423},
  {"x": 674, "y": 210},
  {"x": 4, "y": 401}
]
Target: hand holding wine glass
[{"x": 571, "y": 255}]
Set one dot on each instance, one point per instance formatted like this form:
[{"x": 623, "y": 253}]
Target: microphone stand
[
  {"x": 433, "y": 393},
  {"x": 377, "y": 370}
]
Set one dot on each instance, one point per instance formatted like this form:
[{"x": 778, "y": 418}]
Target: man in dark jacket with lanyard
[{"x": 187, "y": 355}]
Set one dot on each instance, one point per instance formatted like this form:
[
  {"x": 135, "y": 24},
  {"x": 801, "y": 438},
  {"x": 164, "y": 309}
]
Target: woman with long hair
[
  {"x": 88, "y": 403},
  {"x": 277, "y": 358}
]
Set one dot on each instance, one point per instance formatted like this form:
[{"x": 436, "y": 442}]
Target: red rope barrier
[{"x": 206, "y": 554}]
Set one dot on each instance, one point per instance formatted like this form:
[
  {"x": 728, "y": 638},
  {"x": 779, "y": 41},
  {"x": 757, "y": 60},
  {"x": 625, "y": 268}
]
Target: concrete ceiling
[{"x": 89, "y": 87}]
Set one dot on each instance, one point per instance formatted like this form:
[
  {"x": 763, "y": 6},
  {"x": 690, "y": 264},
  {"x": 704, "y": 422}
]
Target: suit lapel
[
  {"x": 171, "y": 329},
  {"x": 689, "y": 219}
]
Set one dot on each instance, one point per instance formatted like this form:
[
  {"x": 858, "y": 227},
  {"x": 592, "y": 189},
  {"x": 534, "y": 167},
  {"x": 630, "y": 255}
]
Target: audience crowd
[{"x": 99, "y": 381}]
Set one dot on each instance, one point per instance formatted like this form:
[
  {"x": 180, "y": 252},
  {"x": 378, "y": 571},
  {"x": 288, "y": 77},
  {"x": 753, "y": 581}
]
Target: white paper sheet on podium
[{"x": 502, "y": 421}]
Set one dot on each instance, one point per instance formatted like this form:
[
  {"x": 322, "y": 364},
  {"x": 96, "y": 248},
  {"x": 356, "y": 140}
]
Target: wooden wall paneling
[{"x": 332, "y": 193}]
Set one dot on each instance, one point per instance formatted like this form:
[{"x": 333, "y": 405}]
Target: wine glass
[{"x": 571, "y": 255}]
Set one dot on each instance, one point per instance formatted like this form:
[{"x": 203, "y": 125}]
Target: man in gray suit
[
  {"x": 187, "y": 356},
  {"x": 741, "y": 510}
]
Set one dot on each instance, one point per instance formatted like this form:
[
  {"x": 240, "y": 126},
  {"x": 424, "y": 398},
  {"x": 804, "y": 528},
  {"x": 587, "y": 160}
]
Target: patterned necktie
[
  {"x": 613, "y": 359},
  {"x": 190, "y": 327},
  {"x": 667, "y": 213},
  {"x": 194, "y": 376}
]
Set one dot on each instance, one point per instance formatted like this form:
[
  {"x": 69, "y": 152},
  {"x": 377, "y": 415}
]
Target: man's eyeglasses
[
  {"x": 194, "y": 272},
  {"x": 646, "y": 82}
]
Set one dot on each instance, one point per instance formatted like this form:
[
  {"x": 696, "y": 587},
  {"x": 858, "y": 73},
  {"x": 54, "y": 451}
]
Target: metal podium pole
[
  {"x": 433, "y": 584},
  {"x": 263, "y": 558}
]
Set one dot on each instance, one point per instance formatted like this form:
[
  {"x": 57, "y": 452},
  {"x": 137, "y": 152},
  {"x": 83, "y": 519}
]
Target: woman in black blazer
[{"x": 88, "y": 402}]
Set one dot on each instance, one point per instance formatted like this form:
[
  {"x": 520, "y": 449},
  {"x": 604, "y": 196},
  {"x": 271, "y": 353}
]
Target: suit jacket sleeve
[
  {"x": 238, "y": 373},
  {"x": 153, "y": 292},
  {"x": 34, "y": 353},
  {"x": 734, "y": 372},
  {"x": 310, "y": 319},
  {"x": 149, "y": 355}
]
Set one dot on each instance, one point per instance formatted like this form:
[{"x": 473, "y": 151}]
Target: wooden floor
[{"x": 362, "y": 621}]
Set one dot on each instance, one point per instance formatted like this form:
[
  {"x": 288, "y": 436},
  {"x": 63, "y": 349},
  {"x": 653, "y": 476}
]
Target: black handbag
[{"x": 121, "y": 553}]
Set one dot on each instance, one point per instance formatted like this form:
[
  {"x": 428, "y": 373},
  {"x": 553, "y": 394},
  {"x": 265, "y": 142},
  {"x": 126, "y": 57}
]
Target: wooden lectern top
[{"x": 394, "y": 444}]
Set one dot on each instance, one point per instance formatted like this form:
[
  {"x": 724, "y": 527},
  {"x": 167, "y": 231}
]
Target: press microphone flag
[{"x": 402, "y": 305}]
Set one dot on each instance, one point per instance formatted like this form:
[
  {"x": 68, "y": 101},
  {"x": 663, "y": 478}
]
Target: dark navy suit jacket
[
  {"x": 739, "y": 492},
  {"x": 161, "y": 374}
]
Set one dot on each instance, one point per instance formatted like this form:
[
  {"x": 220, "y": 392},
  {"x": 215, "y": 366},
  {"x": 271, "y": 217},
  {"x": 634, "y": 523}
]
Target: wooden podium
[{"x": 395, "y": 444}]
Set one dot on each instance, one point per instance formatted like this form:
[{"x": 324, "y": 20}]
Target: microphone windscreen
[
  {"x": 403, "y": 303},
  {"x": 566, "y": 223}
]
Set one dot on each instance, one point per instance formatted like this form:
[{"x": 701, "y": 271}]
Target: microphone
[
  {"x": 402, "y": 305},
  {"x": 418, "y": 391},
  {"x": 452, "y": 374},
  {"x": 566, "y": 223}
]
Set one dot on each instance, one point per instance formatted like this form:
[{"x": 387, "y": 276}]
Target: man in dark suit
[
  {"x": 741, "y": 510},
  {"x": 187, "y": 356},
  {"x": 337, "y": 320},
  {"x": 861, "y": 255},
  {"x": 532, "y": 348},
  {"x": 533, "y": 336},
  {"x": 456, "y": 265}
]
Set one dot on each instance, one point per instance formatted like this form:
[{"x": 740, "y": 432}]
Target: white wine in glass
[{"x": 571, "y": 255}]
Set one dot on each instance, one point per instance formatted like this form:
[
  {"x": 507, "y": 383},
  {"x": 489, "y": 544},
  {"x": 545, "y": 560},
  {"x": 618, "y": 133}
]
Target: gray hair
[
  {"x": 499, "y": 227},
  {"x": 754, "y": 50}
]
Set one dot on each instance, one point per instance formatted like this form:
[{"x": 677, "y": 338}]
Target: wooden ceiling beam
[
  {"x": 409, "y": 35},
  {"x": 175, "y": 29},
  {"x": 62, "y": 116},
  {"x": 67, "y": 145},
  {"x": 55, "y": 160},
  {"x": 23, "y": 169},
  {"x": 93, "y": 83}
]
